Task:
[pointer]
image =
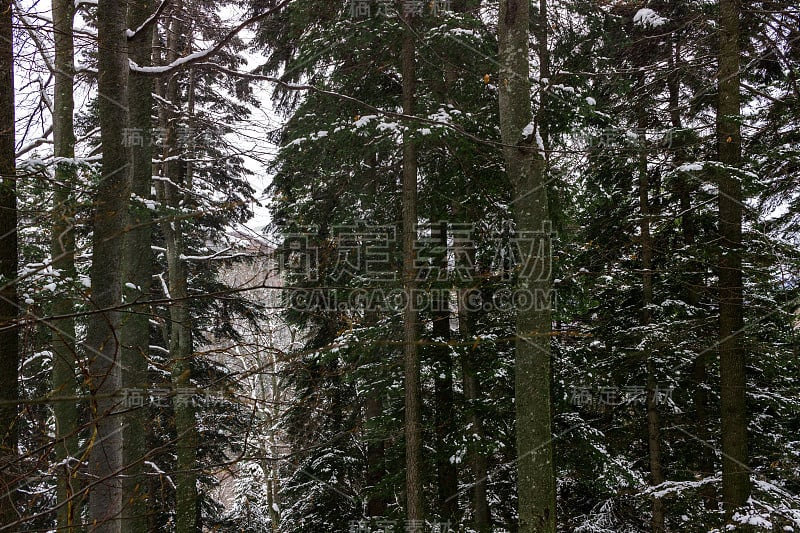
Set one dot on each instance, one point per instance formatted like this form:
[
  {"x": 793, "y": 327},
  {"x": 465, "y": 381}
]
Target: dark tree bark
[
  {"x": 9, "y": 333},
  {"x": 376, "y": 456},
  {"x": 110, "y": 213},
  {"x": 180, "y": 347},
  {"x": 377, "y": 502},
  {"x": 171, "y": 194},
  {"x": 684, "y": 191},
  {"x": 476, "y": 456},
  {"x": 525, "y": 167},
  {"x": 271, "y": 467},
  {"x": 444, "y": 414},
  {"x": 653, "y": 417},
  {"x": 138, "y": 271},
  {"x": 180, "y": 331},
  {"x": 413, "y": 399},
  {"x": 478, "y": 462},
  {"x": 62, "y": 250},
  {"x": 542, "y": 51},
  {"x": 735, "y": 472}
]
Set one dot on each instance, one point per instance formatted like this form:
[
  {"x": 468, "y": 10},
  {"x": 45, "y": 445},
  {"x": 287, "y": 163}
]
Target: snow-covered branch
[
  {"x": 132, "y": 34},
  {"x": 207, "y": 52},
  {"x": 36, "y": 142}
]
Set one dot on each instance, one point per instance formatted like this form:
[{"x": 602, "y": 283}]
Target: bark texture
[
  {"x": 444, "y": 416},
  {"x": 138, "y": 271},
  {"x": 110, "y": 213},
  {"x": 657, "y": 523},
  {"x": 735, "y": 472},
  {"x": 9, "y": 335},
  {"x": 62, "y": 250},
  {"x": 694, "y": 269},
  {"x": 171, "y": 194},
  {"x": 476, "y": 456},
  {"x": 413, "y": 399},
  {"x": 525, "y": 163}
]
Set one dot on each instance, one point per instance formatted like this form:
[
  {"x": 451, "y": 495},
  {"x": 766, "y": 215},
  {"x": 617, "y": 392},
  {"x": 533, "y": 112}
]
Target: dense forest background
[{"x": 388, "y": 265}]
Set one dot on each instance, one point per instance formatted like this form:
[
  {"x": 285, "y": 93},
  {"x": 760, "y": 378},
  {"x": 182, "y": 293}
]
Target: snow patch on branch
[
  {"x": 646, "y": 17},
  {"x": 195, "y": 56},
  {"x": 690, "y": 167}
]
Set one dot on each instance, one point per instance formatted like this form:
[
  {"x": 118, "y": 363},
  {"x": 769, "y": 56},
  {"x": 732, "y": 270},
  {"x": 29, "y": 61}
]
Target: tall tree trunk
[
  {"x": 377, "y": 502},
  {"x": 111, "y": 205},
  {"x": 9, "y": 333},
  {"x": 735, "y": 475},
  {"x": 180, "y": 336},
  {"x": 62, "y": 250},
  {"x": 138, "y": 271},
  {"x": 180, "y": 332},
  {"x": 180, "y": 347},
  {"x": 478, "y": 462},
  {"x": 525, "y": 167},
  {"x": 376, "y": 453},
  {"x": 476, "y": 458},
  {"x": 413, "y": 397},
  {"x": 446, "y": 472},
  {"x": 657, "y": 523},
  {"x": 705, "y": 457},
  {"x": 653, "y": 419},
  {"x": 271, "y": 393},
  {"x": 543, "y": 53}
]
